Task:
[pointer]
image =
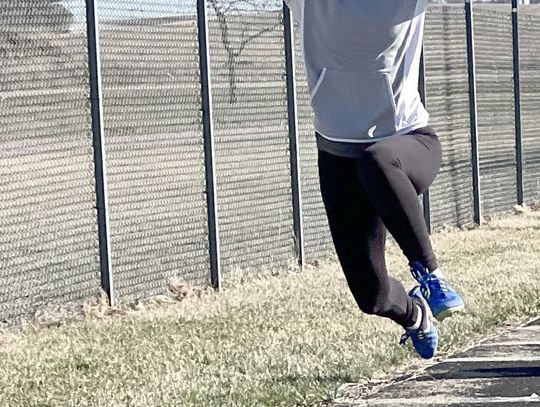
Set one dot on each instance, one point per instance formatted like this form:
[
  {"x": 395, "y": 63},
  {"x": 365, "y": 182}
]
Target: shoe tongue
[{"x": 440, "y": 291}]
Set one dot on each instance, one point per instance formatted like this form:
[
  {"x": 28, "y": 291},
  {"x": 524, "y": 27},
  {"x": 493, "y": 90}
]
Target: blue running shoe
[
  {"x": 425, "y": 338},
  {"x": 441, "y": 298}
]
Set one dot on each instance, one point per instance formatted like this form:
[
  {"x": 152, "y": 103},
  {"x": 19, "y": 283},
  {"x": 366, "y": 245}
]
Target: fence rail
[{"x": 176, "y": 143}]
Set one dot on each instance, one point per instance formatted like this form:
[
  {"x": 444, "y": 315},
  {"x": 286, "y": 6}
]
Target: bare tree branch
[
  {"x": 225, "y": 8},
  {"x": 258, "y": 34}
]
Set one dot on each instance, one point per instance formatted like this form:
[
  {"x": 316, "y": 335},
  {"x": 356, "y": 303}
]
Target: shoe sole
[{"x": 447, "y": 313}]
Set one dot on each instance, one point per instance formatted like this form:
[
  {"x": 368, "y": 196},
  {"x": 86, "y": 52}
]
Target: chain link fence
[
  {"x": 530, "y": 99},
  {"x": 448, "y": 104},
  {"x": 157, "y": 143},
  {"x": 250, "y": 129},
  {"x": 48, "y": 231},
  {"x": 155, "y": 156},
  {"x": 493, "y": 43}
]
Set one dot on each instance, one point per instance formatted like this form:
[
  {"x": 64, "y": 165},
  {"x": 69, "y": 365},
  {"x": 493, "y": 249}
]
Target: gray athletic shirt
[{"x": 362, "y": 63}]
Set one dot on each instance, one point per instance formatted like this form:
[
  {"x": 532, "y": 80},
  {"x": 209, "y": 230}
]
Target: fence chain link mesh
[
  {"x": 447, "y": 101},
  {"x": 530, "y": 100},
  {"x": 495, "y": 93},
  {"x": 154, "y": 145},
  {"x": 251, "y": 138},
  {"x": 48, "y": 232}
]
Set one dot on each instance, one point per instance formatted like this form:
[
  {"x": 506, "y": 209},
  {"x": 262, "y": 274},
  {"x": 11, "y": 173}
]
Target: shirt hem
[
  {"x": 400, "y": 132},
  {"x": 355, "y": 148}
]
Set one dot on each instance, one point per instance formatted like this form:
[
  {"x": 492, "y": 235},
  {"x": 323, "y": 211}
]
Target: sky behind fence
[{"x": 134, "y": 9}]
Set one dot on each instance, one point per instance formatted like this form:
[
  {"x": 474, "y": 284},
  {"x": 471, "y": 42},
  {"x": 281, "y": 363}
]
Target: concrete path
[{"x": 503, "y": 372}]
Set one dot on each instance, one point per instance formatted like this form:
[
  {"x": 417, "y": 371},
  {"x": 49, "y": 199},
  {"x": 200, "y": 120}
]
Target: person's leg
[
  {"x": 394, "y": 172},
  {"x": 359, "y": 235}
]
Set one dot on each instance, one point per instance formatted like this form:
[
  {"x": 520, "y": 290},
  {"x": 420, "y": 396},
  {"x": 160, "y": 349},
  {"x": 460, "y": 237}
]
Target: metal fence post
[
  {"x": 100, "y": 168},
  {"x": 473, "y": 112},
  {"x": 517, "y": 103},
  {"x": 209, "y": 148},
  {"x": 422, "y": 90},
  {"x": 293, "y": 135}
]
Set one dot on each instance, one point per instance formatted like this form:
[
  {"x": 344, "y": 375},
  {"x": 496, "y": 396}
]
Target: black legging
[{"x": 364, "y": 196}]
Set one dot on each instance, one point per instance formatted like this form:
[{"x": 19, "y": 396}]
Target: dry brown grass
[{"x": 275, "y": 340}]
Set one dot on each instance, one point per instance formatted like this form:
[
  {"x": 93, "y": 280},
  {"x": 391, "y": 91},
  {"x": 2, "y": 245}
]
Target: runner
[{"x": 376, "y": 153}]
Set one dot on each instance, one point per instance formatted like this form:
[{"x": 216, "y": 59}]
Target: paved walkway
[{"x": 503, "y": 372}]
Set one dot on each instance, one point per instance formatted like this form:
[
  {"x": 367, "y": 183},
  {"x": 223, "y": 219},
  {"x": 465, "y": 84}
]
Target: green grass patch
[{"x": 290, "y": 340}]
